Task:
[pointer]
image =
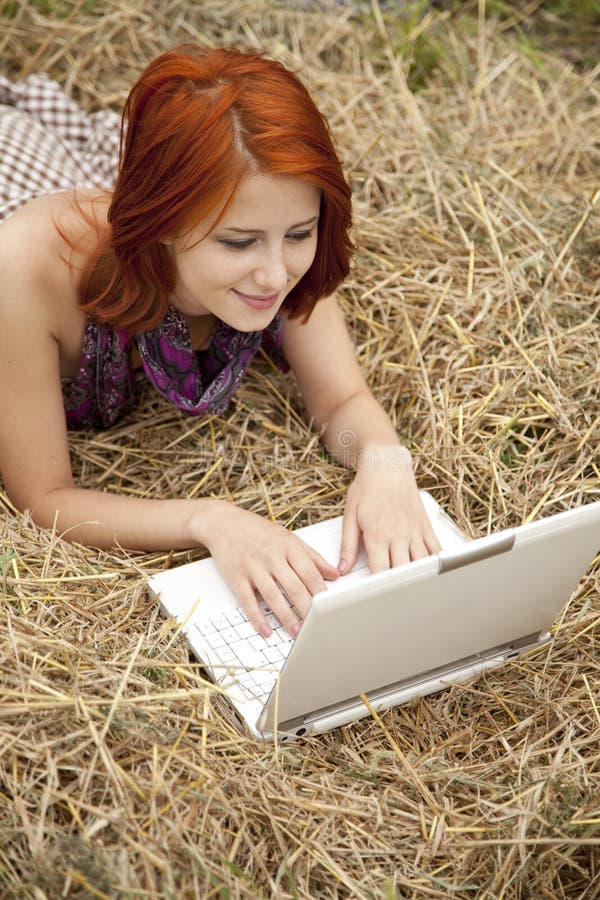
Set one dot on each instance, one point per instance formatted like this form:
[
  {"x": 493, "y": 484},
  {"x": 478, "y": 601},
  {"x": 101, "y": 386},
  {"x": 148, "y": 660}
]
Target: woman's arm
[
  {"x": 383, "y": 504},
  {"x": 253, "y": 554}
]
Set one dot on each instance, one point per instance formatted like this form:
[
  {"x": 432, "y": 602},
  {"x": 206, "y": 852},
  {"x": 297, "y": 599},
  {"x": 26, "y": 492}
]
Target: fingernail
[
  {"x": 342, "y": 566},
  {"x": 265, "y": 629},
  {"x": 296, "y": 629}
]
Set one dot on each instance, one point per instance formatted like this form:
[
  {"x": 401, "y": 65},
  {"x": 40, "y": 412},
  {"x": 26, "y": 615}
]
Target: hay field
[{"x": 474, "y": 304}]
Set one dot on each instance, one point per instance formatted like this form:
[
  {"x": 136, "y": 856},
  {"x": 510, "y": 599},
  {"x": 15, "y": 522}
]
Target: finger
[
  {"x": 429, "y": 536},
  {"x": 417, "y": 549},
  {"x": 431, "y": 542},
  {"x": 400, "y": 553},
  {"x": 349, "y": 545},
  {"x": 325, "y": 569},
  {"x": 276, "y": 600},
  {"x": 295, "y": 591},
  {"x": 378, "y": 555},
  {"x": 307, "y": 570},
  {"x": 249, "y": 603}
]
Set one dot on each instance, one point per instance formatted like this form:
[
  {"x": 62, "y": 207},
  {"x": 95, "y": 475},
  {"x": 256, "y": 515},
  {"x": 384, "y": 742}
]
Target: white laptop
[{"x": 370, "y": 642}]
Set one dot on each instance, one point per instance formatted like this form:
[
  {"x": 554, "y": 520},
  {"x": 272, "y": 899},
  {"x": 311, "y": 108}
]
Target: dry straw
[{"x": 474, "y": 305}]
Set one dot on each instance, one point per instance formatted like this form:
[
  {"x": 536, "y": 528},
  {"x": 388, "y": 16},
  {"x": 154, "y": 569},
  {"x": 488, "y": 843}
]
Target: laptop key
[
  {"x": 205, "y": 626},
  {"x": 246, "y": 655},
  {"x": 235, "y": 616},
  {"x": 275, "y": 638},
  {"x": 274, "y": 655},
  {"x": 245, "y": 630},
  {"x": 227, "y": 654},
  {"x": 257, "y": 642},
  {"x": 216, "y": 640},
  {"x": 220, "y": 621},
  {"x": 264, "y": 677},
  {"x": 230, "y": 635}
]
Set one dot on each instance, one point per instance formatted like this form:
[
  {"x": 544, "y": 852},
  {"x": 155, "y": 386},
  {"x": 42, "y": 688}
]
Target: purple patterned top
[{"x": 197, "y": 382}]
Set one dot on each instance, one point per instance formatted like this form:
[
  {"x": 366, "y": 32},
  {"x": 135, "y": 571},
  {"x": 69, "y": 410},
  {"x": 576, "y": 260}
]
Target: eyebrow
[{"x": 310, "y": 221}]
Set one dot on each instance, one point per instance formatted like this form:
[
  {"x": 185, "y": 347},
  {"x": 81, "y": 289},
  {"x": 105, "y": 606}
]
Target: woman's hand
[
  {"x": 384, "y": 507},
  {"x": 258, "y": 557}
]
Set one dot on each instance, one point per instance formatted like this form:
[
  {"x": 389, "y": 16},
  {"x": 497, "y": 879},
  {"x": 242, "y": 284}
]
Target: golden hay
[{"x": 474, "y": 304}]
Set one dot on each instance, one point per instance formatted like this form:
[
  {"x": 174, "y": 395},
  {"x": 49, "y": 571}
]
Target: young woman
[{"x": 226, "y": 230}]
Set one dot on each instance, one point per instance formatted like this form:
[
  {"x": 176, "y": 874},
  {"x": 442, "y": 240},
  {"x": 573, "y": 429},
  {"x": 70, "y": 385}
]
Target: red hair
[{"x": 194, "y": 125}]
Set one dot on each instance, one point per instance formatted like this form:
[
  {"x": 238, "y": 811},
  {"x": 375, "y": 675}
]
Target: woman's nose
[{"x": 271, "y": 272}]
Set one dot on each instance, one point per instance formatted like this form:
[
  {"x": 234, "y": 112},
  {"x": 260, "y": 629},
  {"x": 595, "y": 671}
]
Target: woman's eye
[
  {"x": 299, "y": 235},
  {"x": 244, "y": 243},
  {"x": 237, "y": 245}
]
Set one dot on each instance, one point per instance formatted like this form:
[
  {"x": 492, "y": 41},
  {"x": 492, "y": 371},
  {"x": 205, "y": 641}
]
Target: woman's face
[{"x": 242, "y": 270}]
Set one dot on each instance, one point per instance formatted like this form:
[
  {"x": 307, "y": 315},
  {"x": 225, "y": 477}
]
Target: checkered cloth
[{"x": 48, "y": 144}]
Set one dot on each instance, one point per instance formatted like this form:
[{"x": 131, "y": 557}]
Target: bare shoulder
[
  {"x": 42, "y": 246},
  {"x": 38, "y": 237}
]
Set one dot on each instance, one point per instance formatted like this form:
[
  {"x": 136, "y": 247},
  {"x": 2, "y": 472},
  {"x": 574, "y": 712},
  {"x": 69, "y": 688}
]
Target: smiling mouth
[{"x": 263, "y": 302}]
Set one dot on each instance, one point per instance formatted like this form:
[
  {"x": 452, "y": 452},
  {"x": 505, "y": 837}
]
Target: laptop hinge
[
  {"x": 293, "y": 724},
  {"x": 496, "y": 544}
]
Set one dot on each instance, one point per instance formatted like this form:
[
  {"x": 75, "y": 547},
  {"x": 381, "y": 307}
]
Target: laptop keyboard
[{"x": 242, "y": 657}]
